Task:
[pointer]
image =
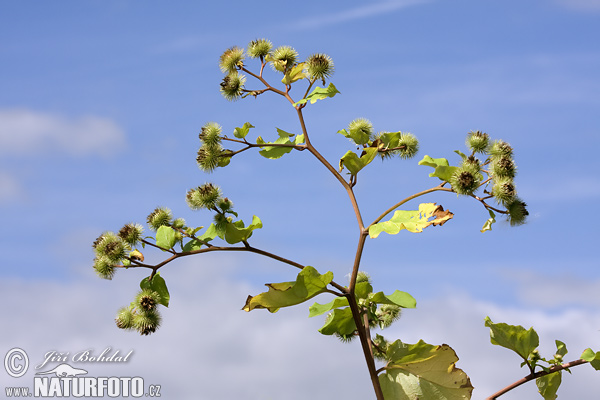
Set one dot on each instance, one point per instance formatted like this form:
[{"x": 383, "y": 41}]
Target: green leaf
[
  {"x": 413, "y": 221},
  {"x": 158, "y": 285},
  {"x": 423, "y": 371},
  {"x": 307, "y": 285},
  {"x": 319, "y": 93},
  {"x": 274, "y": 152},
  {"x": 592, "y": 358},
  {"x": 340, "y": 322},
  {"x": 241, "y": 133},
  {"x": 318, "y": 309},
  {"x": 488, "y": 224},
  {"x": 561, "y": 348},
  {"x": 548, "y": 385},
  {"x": 166, "y": 237},
  {"x": 397, "y": 298},
  {"x": 354, "y": 164},
  {"x": 207, "y": 236},
  {"x": 294, "y": 74},
  {"x": 513, "y": 337},
  {"x": 237, "y": 232},
  {"x": 460, "y": 153},
  {"x": 442, "y": 169},
  {"x": 362, "y": 290},
  {"x": 358, "y": 137}
]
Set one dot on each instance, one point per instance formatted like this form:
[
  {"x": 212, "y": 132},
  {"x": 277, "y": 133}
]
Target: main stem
[{"x": 365, "y": 339}]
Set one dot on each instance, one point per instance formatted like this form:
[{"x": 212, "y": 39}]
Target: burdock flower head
[
  {"x": 477, "y": 141},
  {"x": 205, "y": 196},
  {"x": 504, "y": 190},
  {"x": 131, "y": 233},
  {"x": 159, "y": 217},
  {"x": 408, "y": 144},
  {"x": 320, "y": 66},
  {"x": 147, "y": 300},
  {"x": 232, "y": 86},
  {"x": 517, "y": 211},
  {"x": 284, "y": 58},
  {"x": 465, "y": 180},
  {"x": 259, "y": 48},
  {"x": 231, "y": 59}
]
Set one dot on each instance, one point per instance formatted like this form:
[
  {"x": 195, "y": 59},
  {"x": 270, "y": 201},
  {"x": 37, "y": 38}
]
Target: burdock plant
[{"x": 355, "y": 310}]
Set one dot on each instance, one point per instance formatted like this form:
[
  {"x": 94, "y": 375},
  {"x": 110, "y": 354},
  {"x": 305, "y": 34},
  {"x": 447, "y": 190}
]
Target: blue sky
[{"x": 100, "y": 106}]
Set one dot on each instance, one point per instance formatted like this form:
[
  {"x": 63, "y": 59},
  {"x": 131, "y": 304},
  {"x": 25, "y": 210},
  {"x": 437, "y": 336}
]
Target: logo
[
  {"x": 64, "y": 371},
  {"x": 14, "y": 369},
  {"x": 65, "y": 380}
]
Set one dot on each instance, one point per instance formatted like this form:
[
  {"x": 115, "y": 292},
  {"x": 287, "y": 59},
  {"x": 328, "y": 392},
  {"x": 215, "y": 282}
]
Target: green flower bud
[
  {"x": 409, "y": 145},
  {"x": 225, "y": 205},
  {"x": 232, "y": 59},
  {"x": 124, "y": 319},
  {"x": 320, "y": 66},
  {"x": 380, "y": 348},
  {"x": 104, "y": 268},
  {"x": 146, "y": 322},
  {"x": 500, "y": 149},
  {"x": 259, "y": 48},
  {"x": 504, "y": 190},
  {"x": 131, "y": 233},
  {"x": 477, "y": 141},
  {"x": 472, "y": 163},
  {"x": 161, "y": 216},
  {"x": 465, "y": 180},
  {"x": 179, "y": 223},
  {"x": 284, "y": 58},
  {"x": 221, "y": 222},
  {"x": 147, "y": 300},
  {"x": 362, "y": 277},
  {"x": 232, "y": 86},
  {"x": 205, "y": 196},
  {"x": 517, "y": 211},
  {"x": 211, "y": 134},
  {"x": 503, "y": 167},
  {"x": 346, "y": 338},
  {"x": 110, "y": 246},
  {"x": 388, "y": 314}
]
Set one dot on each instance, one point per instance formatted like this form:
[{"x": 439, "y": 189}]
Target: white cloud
[
  {"x": 580, "y": 5},
  {"x": 24, "y": 131},
  {"x": 208, "y": 346},
  {"x": 362, "y": 12},
  {"x": 10, "y": 189}
]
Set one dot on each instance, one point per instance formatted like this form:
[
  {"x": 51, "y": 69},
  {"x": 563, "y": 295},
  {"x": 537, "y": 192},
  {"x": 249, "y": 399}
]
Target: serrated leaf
[
  {"x": 513, "y": 337},
  {"x": 340, "y": 322},
  {"x": 318, "y": 309},
  {"x": 413, "y": 221},
  {"x": 241, "y": 133},
  {"x": 548, "y": 385},
  {"x": 165, "y": 237},
  {"x": 354, "y": 164},
  {"x": 443, "y": 170},
  {"x": 319, "y": 93},
  {"x": 274, "y": 152},
  {"x": 237, "y": 232},
  {"x": 423, "y": 371},
  {"x": 294, "y": 74},
  {"x": 592, "y": 358},
  {"x": 308, "y": 284},
  {"x": 397, "y": 298},
  {"x": 158, "y": 285}
]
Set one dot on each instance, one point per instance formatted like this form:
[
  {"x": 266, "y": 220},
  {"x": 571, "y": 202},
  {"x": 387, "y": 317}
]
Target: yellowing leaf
[
  {"x": 423, "y": 371},
  {"x": 308, "y": 284},
  {"x": 294, "y": 74},
  {"x": 354, "y": 164},
  {"x": 413, "y": 221}
]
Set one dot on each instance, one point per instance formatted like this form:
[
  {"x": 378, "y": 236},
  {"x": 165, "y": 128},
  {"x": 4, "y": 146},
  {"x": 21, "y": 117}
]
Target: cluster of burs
[{"x": 500, "y": 168}]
